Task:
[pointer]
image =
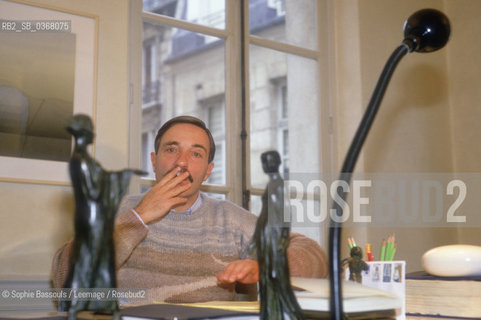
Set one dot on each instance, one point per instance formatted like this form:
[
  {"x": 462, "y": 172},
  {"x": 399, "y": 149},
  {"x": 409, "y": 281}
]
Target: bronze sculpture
[
  {"x": 271, "y": 239},
  {"x": 97, "y": 195}
]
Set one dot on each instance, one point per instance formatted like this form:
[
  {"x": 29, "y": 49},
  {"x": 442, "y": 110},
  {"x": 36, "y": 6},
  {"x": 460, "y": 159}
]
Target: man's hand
[
  {"x": 243, "y": 271},
  {"x": 163, "y": 196}
]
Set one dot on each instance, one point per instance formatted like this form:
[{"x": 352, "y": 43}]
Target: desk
[
  {"x": 90, "y": 316},
  {"x": 408, "y": 317},
  {"x": 168, "y": 311}
]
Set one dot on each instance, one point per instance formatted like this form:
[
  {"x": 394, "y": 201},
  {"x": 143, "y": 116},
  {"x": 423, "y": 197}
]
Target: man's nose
[{"x": 182, "y": 160}]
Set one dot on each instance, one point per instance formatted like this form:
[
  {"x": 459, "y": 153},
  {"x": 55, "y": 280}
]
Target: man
[{"x": 180, "y": 244}]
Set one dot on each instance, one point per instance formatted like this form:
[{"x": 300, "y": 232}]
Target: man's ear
[
  {"x": 153, "y": 159},
  {"x": 210, "y": 166}
]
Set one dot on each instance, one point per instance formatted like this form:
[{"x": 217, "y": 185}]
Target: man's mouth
[{"x": 189, "y": 177}]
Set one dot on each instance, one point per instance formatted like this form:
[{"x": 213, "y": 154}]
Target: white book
[{"x": 356, "y": 297}]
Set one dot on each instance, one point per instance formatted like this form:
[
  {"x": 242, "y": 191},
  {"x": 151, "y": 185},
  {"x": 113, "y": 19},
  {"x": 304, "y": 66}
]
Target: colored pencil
[{"x": 382, "y": 255}]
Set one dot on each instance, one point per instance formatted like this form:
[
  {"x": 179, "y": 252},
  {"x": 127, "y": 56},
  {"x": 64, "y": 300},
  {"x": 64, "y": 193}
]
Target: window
[
  {"x": 205, "y": 12},
  {"x": 192, "y": 65},
  {"x": 214, "y": 110},
  {"x": 280, "y": 101},
  {"x": 150, "y": 74},
  {"x": 184, "y": 84},
  {"x": 279, "y": 5}
]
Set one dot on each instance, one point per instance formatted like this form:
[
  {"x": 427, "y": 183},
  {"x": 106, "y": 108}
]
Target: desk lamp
[{"x": 426, "y": 30}]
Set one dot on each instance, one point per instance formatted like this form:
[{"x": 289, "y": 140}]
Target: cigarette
[{"x": 182, "y": 171}]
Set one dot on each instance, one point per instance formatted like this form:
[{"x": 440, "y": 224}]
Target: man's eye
[
  {"x": 196, "y": 154},
  {"x": 171, "y": 149}
]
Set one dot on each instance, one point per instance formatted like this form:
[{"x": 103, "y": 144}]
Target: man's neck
[{"x": 190, "y": 202}]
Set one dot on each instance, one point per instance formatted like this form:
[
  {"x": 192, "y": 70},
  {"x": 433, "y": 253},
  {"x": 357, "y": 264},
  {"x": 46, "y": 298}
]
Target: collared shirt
[{"x": 197, "y": 204}]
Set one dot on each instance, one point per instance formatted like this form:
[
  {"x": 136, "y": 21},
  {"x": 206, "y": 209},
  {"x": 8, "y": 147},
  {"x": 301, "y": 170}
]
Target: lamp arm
[{"x": 335, "y": 297}]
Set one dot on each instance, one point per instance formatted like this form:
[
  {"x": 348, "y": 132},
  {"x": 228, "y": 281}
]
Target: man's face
[{"x": 184, "y": 146}]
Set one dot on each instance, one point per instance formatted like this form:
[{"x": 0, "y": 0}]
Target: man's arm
[
  {"x": 305, "y": 257},
  {"x": 128, "y": 233},
  {"x": 60, "y": 265},
  {"x": 131, "y": 226}
]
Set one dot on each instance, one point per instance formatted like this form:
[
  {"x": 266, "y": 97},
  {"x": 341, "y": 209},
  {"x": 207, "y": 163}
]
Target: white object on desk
[
  {"x": 356, "y": 297},
  {"x": 458, "y": 260}
]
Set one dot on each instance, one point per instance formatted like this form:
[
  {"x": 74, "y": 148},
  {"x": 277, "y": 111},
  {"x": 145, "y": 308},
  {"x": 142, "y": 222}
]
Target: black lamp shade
[{"x": 427, "y": 29}]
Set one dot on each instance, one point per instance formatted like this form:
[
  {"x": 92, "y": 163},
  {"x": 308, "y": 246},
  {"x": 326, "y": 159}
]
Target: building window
[
  {"x": 149, "y": 63},
  {"x": 214, "y": 110},
  {"x": 280, "y": 101},
  {"x": 279, "y": 5}
]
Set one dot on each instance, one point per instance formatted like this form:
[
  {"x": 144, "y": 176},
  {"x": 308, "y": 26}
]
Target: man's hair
[{"x": 189, "y": 120}]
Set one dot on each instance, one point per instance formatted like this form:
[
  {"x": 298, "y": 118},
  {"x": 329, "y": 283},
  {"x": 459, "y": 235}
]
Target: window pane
[
  {"x": 256, "y": 204},
  {"x": 183, "y": 74},
  {"x": 290, "y": 21},
  {"x": 205, "y": 12},
  {"x": 283, "y": 112},
  {"x": 309, "y": 225},
  {"x": 307, "y": 221}
]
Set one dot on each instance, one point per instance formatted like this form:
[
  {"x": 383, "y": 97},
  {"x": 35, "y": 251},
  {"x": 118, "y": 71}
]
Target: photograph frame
[{"x": 85, "y": 28}]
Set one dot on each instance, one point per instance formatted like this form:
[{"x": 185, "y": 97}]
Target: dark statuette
[
  {"x": 97, "y": 195},
  {"x": 356, "y": 264},
  {"x": 271, "y": 239}
]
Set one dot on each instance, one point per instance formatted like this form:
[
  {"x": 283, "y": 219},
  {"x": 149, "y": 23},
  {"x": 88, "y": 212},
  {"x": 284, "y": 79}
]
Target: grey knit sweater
[{"x": 177, "y": 257}]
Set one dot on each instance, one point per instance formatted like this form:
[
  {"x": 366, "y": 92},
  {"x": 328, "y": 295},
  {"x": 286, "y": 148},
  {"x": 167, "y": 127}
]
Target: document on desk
[
  {"x": 313, "y": 294},
  {"x": 167, "y": 311}
]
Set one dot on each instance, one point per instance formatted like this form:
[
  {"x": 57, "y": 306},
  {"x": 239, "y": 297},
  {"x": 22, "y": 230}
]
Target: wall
[
  {"x": 427, "y": 120},
  {"x": 37, "y": 218},
  {"x": 464, "y": 82}
]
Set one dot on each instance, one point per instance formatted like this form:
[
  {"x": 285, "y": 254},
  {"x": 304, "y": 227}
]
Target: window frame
[{"x": 232, "y": 35}]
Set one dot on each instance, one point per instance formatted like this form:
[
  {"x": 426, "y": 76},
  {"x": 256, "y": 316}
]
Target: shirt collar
[{"x": 197, "y": 204}]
